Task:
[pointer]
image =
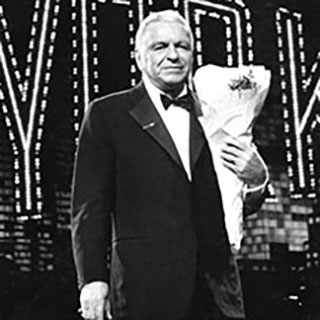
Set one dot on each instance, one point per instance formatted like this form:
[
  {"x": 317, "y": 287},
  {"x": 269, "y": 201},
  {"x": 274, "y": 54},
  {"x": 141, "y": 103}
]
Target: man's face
[{"x": 166, "y": 55}]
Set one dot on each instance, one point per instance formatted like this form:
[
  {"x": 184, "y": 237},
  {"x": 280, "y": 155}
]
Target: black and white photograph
[{"x": 159, "y": 160}]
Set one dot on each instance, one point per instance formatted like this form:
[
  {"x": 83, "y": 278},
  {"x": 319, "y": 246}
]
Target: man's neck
[{"x": 172, "y": 92}]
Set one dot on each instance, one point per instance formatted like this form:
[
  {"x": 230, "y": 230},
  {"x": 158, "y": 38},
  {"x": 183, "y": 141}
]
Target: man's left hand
[{"x": 244, "y": 160}]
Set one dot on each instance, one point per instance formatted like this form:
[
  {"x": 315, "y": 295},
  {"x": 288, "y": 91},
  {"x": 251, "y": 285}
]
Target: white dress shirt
[{"x": 177, "y": 121}]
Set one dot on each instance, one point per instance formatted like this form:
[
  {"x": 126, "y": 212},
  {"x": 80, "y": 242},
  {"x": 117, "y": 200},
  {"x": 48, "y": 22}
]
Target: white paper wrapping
[{"x": 231, "y": 99}]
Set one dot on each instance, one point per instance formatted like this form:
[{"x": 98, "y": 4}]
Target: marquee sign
[
  {"x": 28, "y": 89},
  {"x": 299, "y": 99},
  {"x": 25, "y": 89}
]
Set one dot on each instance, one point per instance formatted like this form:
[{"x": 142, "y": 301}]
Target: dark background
[{"x": 37, "y": 279}]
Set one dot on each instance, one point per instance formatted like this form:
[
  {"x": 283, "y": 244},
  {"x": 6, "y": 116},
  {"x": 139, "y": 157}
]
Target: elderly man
[{"x": 145, "y": 182}]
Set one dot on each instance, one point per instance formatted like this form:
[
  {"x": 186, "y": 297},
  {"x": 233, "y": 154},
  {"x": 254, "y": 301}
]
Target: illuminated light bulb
[
  {"x": 28, "y": 72},
  {"x": 53, "y": 36},
  {"x": 51, "y": 49},
  {"x": 8, "y": 122},
  {"x": 37, "y": 146},
  {"x": 18, "y": 208},
  {"x": 4, "y": 23},
  {"x": 228, "y": 32},
  {"x": 16, "y": 164},
  {"x": 198, "y": 32},
  {"x": 49, "y": 63},
  {"x": 287, "y": 143},
  {"x": 286, "y": 128},
  {"x": 17, "y": 194},
  {"x": 17, "y": 74},
  {"x": 39, "y": 206},
  {"x": 29, "y": 57},
  {"x": 31, "y": 44},
  {"x": 56, "y": 9},
  {"x": 11, "y": 136},
  {"x": 284, "y": 99},
  {"x": 39, "y": 133},
  {"x": 47, "y": 76},
  {"x": 199, "y": 60},
  {"x": 301, "y": 42},
  {"x": 38, "y": 192},
  {"x": 41, "y": 119},
  {"x": 37, "y": 5},
  {"x": 14, "y": 62},
  {"x": 45, "y": 91},
  {"x": 33, "y": 31},
  {"x": 7, "y": 36},
  {"x": 226, "y": 19},
  {"x": 249, "y": 28}
]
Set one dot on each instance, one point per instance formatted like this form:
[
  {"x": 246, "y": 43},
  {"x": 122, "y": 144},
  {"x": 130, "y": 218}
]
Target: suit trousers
[{"x": 203, "y": 305}]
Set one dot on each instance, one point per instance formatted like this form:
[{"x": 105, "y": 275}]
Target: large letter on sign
[
  {"x": 298, "y": 97},
  {"x": 27, "y": 91},
  {"x": 229, "y": 23}
]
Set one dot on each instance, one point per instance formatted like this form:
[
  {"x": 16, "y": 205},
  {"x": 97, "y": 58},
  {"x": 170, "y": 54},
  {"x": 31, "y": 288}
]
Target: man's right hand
[{"x": 94, "y": 301}]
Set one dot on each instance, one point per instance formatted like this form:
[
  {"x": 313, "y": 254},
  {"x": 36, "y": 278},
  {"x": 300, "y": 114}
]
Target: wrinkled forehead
[{"x": 163, "y": 30}]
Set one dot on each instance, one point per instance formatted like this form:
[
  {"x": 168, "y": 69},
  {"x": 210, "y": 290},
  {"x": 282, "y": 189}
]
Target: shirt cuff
[{"x": 260, "y": 188}]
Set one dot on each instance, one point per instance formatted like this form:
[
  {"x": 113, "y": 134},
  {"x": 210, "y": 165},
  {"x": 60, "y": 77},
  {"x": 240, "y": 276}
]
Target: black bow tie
[{"x": 185, "y": 102}]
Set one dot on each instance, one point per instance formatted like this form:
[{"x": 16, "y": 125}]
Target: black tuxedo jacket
[{"x": 130, "y": 188}]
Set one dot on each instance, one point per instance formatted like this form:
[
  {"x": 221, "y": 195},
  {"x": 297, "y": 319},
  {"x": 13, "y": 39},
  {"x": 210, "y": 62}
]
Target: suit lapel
[
  {"x": 197, "y": 140},
  {"x": 147, "y": 116},
  {"x": 197, "y": 136}
]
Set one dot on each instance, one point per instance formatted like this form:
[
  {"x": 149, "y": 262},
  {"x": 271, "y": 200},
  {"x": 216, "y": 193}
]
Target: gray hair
[{"x": 162, "y": 16}]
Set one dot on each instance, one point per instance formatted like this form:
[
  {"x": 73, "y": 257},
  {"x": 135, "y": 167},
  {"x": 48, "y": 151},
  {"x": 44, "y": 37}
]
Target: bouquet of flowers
[{"x": 231, "y": 99}]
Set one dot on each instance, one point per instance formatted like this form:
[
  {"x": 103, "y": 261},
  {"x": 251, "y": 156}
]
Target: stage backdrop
[{"x": 56, "y": 56}]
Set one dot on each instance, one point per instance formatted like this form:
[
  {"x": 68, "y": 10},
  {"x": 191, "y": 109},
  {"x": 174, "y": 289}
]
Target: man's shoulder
[{"x": 117, "y": 101}]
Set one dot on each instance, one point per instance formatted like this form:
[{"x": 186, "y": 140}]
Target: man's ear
[{"x": 139, "y": 60}]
